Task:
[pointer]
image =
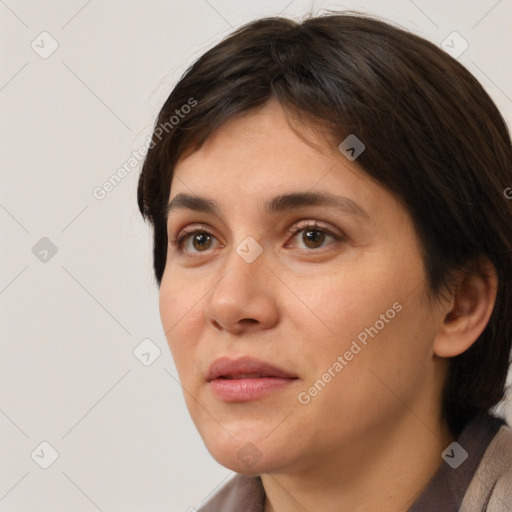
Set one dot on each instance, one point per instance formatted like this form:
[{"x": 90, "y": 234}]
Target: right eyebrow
[{"x": 193, "y": 202}]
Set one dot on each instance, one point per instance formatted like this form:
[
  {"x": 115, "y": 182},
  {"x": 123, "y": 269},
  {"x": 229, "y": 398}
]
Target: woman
[{"x": 332, "y": 245}]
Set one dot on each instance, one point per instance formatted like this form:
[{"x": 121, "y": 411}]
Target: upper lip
[{"x": 226, "y": 367}]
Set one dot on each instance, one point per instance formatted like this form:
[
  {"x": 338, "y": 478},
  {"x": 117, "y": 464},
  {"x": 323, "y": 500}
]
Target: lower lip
[{"x": 241, "y": 390}]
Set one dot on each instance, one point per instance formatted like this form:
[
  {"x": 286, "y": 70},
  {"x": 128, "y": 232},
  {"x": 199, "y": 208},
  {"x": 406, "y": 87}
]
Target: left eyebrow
[
  {"x": 296, "y": 200},
  {"x": 274, "y": 205}
]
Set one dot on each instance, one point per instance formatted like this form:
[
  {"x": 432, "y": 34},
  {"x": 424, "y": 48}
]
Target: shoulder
[
  {"x": 491, "y": 487},
  {"x": 240, "y": 493}
]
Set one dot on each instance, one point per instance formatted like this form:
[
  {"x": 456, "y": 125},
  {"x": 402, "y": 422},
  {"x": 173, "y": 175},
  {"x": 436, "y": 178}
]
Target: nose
[{"x": 243, "y": 298}]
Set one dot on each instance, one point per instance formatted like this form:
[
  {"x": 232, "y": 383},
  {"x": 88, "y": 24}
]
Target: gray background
[{"x": 71, "y": 320}]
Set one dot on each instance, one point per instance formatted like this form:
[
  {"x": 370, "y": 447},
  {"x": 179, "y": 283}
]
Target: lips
[
  {"x": 245, "y": 368},
  {"x": 246, "y": 379}
]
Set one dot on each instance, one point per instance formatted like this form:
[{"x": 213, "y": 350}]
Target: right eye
[{"x": 190, "y": 239}]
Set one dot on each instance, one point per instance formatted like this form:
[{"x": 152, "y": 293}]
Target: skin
[{"x": 372, "y": 438}]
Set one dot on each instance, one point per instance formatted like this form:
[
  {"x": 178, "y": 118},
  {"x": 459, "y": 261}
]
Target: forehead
[{"x": 258, "y": 154}]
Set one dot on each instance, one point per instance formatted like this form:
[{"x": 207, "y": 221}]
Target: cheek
[
  {"x": 373, "y": 380},
  {"x": 345, "y": 302},
  {"x": 179, "y": 309},
  {"x": 180, "y": 296},
  {"x": 371, "y": 306},
  {"x": 170, "y": 305}
]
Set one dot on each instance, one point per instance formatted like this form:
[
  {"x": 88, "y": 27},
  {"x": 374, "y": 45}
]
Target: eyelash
[{"x": 305, "y": 226}]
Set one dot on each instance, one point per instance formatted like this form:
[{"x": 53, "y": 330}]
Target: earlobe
[{"x": 469, "y": 310}]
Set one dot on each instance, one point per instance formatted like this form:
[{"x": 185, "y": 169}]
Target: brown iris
[
  {"x": 199, "y": 239},
  {"x": 313, "y": 236}
]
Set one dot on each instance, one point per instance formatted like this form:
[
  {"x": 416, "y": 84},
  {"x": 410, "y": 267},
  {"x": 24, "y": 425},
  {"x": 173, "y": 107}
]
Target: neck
[{"x": 386, "y": 474}]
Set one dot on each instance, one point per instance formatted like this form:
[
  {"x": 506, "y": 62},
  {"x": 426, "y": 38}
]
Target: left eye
[{"x": 313, "y": 235}]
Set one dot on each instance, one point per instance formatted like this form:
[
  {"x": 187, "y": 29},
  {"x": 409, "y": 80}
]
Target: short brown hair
[{"x": 433, "y": 138}]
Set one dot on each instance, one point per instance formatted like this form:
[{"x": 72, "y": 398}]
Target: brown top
[{"x": 476, "y": 476}]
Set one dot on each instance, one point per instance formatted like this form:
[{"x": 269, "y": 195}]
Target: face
[{"x": 299, "y": 327}]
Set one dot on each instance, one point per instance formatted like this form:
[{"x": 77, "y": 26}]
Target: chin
[
  {"x": 245, "y": 466},
  {"x": 242, "y": 455}
]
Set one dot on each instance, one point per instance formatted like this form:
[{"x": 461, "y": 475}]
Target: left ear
[{"x": 469, "y": 309}]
